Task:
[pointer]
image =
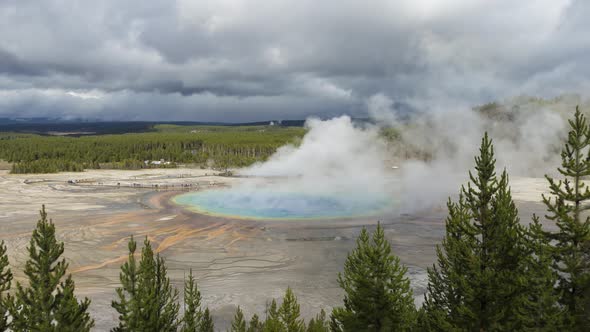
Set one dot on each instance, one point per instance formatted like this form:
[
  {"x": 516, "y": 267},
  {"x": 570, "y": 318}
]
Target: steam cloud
[
  {"x": 435, "y": 150},
  {"x": 438, "y": 145},
  {"x": 333, "y": 156}
]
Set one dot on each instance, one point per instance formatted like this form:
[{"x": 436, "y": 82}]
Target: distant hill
[
  {"x": 46, "y": 126},
  {"x": 507, "y": 110},
  {"x": 78, "y": 127}
]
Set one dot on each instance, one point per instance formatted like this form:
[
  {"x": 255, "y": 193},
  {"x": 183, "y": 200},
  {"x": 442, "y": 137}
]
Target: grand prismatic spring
[{"x": 273, "y": 204}]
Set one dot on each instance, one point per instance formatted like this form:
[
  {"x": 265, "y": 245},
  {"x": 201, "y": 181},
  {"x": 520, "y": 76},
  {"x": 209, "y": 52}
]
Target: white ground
[{"x": 238, "y": 262}]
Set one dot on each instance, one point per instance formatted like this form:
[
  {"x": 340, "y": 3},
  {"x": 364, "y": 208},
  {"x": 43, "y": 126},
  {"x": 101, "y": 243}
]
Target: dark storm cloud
[
  {"x": 234, "y": 60},
  {"x": 10, "y": 64}
]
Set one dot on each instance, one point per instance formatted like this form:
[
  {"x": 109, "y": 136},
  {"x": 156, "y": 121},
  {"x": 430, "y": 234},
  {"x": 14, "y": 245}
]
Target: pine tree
[
  {"x": 5, "y": 282},
  {"x": 540, "y": 310},
  {"x": 572, "y": 242},
  {"x": 48, "y": 304},
  {"x": 158, "y": 307},
  {"x": 146, "y": 300},
  {"x": 319, "y": 323},
  {"x": 206, "y": 322},
  {"x": 273, "y": 320},
  {"x": 289, "y": 313},
  {"x": 255, "y": 324},
  {"x": 192, "y": 305},
  {"x": 72, "y": 316},
  {"x": 480, "y": 280},
  {"x": 504, "y": 271},
  {"x": 127, "y": 294},
  {"x": 378, "y": 296},
  {"x": 239, "y": 323}
]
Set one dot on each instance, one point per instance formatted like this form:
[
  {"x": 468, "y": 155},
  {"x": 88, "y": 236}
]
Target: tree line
[
  {"x": 231, "y": 147},
  {"x": 492, "y": 273}
]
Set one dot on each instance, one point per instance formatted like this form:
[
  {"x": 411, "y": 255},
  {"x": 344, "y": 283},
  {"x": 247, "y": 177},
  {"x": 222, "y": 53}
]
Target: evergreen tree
[
  {"x": 572, "y": 242},
  {"x": 5, "y": 281},
  {"x": 207, "y": 322},
  {"x": 289, "y": 313},
  {"x": 127, "y": 294},
  {"x": 255, "y": 324},
  {"x": 48, "y": 304},
  {"x": 540, "y": 310},
  {"x": 72, "y": 316},
  {"x": 192, "y": 305},
  {"x": 273, "y": 320},
  {"x": 158, "y": 307},
  {"x": 480, "y": 280},
  {"x": 319, "y": 323},
  {"x": 146, "y": 300},
  {"x": 239, "y": 323},
  {"x": 505, "y": 264},
  {"x": 378, "y": 296}
]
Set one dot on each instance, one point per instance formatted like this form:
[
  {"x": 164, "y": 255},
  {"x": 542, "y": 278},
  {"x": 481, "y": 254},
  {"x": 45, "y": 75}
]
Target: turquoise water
[{"x": 267, "y": 204}]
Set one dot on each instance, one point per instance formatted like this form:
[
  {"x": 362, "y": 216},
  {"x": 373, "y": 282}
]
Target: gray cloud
[{"x": 233, "y": 60}]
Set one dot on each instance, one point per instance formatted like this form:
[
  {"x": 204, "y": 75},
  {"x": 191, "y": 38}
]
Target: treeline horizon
[
  {"x": 493, "y": 272},
  {"x": 81, "y": 127},
  {"x": 212, "y": 146}
]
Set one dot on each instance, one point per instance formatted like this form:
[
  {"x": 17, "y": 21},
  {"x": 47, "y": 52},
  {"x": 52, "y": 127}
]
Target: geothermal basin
[
  {"x": 242, "y": 261},
  {"x": 274, "y": 203}
]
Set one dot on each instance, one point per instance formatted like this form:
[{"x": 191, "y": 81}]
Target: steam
[
  {"x": 430, "y": 159},
  {"x": 334, "y": 156},
  {"x": 437, "y": 146},
  {"x": 335, "y": 159},
  {"x": 380, "y": 109}
]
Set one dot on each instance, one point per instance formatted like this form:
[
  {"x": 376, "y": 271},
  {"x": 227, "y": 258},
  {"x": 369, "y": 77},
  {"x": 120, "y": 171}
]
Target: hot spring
[{"x": 270, "y": 203}]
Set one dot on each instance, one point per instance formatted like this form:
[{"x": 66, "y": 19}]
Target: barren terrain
[{"x": 236, "y": 261}]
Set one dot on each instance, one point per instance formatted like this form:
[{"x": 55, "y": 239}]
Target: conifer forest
[{"x": 221, "y": 147}]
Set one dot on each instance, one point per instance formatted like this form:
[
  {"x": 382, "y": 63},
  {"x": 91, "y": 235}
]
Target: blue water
[{"x": 267, "y": 204}]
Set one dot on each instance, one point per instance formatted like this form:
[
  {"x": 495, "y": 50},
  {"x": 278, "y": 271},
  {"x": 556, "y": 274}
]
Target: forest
[
  {"x": 493, "y": 272},
  {"x": 212, "y": 146}
]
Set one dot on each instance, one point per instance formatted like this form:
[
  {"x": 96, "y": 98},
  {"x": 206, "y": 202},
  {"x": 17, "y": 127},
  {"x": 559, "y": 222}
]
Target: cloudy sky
[{"x": 234, "y": 60}]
